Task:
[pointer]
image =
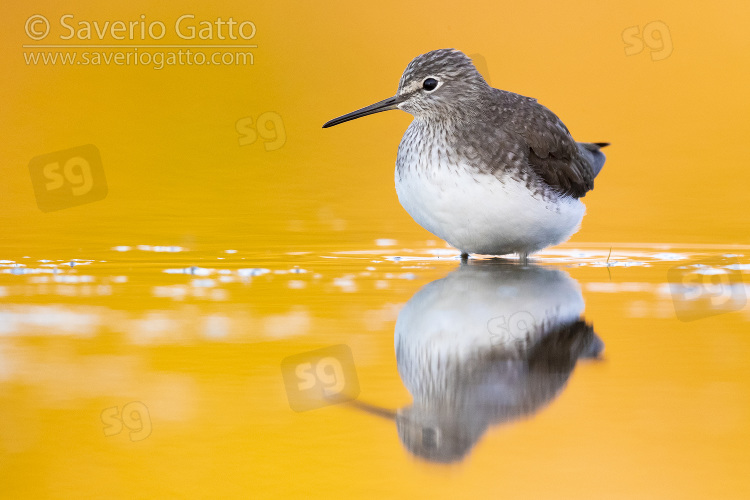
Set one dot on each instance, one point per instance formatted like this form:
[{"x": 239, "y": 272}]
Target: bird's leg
[{"x": 523, "y": 258}]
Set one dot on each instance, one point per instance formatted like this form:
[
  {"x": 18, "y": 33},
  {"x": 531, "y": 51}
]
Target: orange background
[
  {"x": 176, "y": 171},
  {"x": 665, "y": 416}
]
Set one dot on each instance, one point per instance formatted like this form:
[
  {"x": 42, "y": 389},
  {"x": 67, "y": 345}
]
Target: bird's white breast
[
  {"x": 471, "y": 312},
  {"x": 479, "y": 212}
]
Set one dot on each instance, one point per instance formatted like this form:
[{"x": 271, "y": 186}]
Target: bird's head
[{"x": 437, "y": 84}]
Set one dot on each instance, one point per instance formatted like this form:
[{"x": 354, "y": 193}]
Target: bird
[
  {"x": 489, "y": 344},
  {"x": 487, "y": 170}
]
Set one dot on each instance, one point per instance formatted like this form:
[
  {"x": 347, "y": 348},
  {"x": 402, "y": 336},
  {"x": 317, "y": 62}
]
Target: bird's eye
[{"x": 429, "y": 84}]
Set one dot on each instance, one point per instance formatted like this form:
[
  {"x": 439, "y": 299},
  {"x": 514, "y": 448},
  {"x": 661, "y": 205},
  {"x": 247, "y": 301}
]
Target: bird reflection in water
[{"x": 490, "y": 343}]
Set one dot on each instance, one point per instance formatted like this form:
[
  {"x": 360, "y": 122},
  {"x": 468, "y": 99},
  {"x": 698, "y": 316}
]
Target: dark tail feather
[
  {"x": 596, "y": 158},
  {"x": 594, "y": 146}
]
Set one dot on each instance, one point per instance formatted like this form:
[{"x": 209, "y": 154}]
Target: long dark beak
[
  {"x": 384, "y": 105},
  {"x": 374, "y": 410}
]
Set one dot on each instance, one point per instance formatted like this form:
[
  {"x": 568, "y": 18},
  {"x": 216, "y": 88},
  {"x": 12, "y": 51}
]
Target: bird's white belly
[{"x": 478, "y": 213}]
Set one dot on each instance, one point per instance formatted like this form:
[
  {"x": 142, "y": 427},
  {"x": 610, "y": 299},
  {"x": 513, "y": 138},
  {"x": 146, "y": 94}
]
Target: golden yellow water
[{"x": 155, "y": 330}]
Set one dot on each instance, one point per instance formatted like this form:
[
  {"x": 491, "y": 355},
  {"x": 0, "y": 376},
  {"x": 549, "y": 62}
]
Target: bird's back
[{"x": 545, "y": 144}]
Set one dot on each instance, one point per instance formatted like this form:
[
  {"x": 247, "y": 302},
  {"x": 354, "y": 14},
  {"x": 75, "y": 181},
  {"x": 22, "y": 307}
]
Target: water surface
[{"x": 380, "y": 369}]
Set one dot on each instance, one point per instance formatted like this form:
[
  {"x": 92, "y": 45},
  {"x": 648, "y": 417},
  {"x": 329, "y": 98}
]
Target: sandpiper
[
  {"x": 489, "y": 171},
  {"x": 488, "y": 344}
]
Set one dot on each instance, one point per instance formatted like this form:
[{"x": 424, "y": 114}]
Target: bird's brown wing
[{"x": 550, "y": 150}]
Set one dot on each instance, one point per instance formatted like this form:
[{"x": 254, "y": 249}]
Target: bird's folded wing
[{"x": 552, "y": 152}]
